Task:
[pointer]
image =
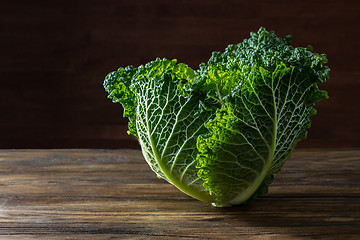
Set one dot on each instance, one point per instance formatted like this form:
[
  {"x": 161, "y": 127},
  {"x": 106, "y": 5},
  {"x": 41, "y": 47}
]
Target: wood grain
[
  {"x": 113, "y": 194},
  {"x": 55, "y": 55}
]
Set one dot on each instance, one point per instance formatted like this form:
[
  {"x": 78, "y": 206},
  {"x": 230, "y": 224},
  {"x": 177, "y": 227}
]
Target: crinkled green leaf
[
  {"x": 168, "y": 123},
  {"x": 267, "y": 50},
  {"x": 255, "y": 131},
  {"x": 118, "y": 85}
]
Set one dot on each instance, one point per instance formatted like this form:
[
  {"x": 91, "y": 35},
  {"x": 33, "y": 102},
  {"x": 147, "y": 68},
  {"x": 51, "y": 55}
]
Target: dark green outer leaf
[{"x": 118, "y": 85}]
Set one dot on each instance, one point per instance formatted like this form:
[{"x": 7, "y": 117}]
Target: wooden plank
[{"x": 103, "y": 194}]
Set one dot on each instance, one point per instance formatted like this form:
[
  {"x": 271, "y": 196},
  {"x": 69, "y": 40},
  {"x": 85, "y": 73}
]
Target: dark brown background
[{"x": 55, "y": 55}]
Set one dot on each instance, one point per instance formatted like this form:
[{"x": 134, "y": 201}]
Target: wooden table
[{"x": 103, "y": 194}]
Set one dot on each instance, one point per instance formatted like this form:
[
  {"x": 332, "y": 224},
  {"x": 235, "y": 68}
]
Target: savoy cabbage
[{"x": 219, "y": 133}]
